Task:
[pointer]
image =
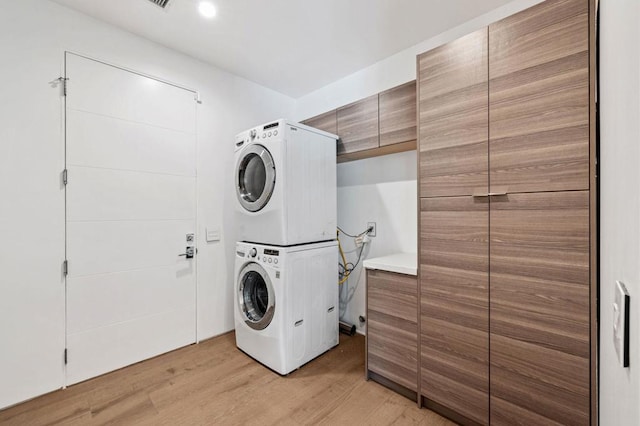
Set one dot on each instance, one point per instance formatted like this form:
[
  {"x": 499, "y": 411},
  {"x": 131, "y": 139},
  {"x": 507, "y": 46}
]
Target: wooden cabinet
[
  {"x": 540, "y": 308},
  {"x": 378, "y": 125},
  {"x": 454, "y": 311},
  {"x": 453, "y": 117},
  {"x": 507, "y": 235},
  {"x": 454, "y": 227},
  {"x": 398, "y": 114},
  {"x": 539, "y": 98},
  {"x": 392, "y": 328},
  {"x": 327, "y": 122},
  {"x": 358, "y": 126}
]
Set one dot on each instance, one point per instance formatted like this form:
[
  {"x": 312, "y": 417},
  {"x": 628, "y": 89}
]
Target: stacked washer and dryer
[{"x": 286, "y": 273}]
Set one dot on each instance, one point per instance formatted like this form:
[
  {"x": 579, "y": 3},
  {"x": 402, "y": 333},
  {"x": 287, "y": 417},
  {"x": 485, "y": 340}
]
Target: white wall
[
  {"x": 381, "y": 190},
  {"x": 620, "y": 202},
  {"x": 387, "y": 189},
  {"x": 33, "y": 36},
  {"x": 394, "y": 70}
]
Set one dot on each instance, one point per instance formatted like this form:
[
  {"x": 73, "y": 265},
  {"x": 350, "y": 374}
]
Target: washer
[
  {"x": 286, "y": 308},
  {"x": 285, "y": 184}
]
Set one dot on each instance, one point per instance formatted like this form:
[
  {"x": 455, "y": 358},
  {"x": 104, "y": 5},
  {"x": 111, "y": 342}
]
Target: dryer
[
  {"x": 285, "y": 184},
  {"x": 286, "y": 308}
]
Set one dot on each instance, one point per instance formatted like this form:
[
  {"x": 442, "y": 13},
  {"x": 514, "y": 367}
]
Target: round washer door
[
  {"x": 256, "y": 297},
  {"x": 255, "y": 178}
]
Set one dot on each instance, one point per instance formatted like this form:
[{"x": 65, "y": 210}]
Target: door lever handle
[{"x": 189, "y": 252}]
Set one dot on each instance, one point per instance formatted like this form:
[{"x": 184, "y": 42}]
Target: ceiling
[{"x": 292, "y": 46}]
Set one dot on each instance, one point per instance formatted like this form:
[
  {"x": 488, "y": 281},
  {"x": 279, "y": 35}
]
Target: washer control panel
[
  {"x": 265, "y": 256},
  {"x": 269, "y": 130}
]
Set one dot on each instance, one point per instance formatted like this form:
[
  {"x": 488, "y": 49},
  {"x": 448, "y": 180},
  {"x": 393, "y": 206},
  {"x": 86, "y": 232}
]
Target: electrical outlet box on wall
[
  {"x": 373, "y": 227},
  {"x": 621, "y": 323}
]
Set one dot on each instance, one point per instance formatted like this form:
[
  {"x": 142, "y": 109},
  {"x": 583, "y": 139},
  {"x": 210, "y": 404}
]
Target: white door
[{"x": 131, "y": 201}]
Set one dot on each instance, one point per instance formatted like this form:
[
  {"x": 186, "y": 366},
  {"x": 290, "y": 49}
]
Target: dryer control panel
[{"x": 270, "y": 130}]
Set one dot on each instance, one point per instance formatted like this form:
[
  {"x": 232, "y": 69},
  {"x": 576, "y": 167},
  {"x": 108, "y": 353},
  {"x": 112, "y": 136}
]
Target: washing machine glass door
[
  {"x": 256, "y": 296},
  {"x": 256, "y": 178}
]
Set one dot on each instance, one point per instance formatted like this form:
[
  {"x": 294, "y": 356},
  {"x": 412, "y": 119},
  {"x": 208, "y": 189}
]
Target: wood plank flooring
[{"x": 214, "y": 383}]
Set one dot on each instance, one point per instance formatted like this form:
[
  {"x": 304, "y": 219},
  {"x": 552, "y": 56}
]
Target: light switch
[
  {"x": 621, "y": 323},
  {"x": 213, "y": 234}
]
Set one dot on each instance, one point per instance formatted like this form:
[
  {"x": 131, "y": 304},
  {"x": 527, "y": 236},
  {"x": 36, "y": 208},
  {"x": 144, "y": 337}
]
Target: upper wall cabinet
[
  {"x": 452, "y": 88},
  {"x": 358, "y": 126},
  {"x": 398, "y": 114},
  {"x": 539, "y": 98},
  {"x": 381, "y": 124},
  {"x": 327, "y": 122}
]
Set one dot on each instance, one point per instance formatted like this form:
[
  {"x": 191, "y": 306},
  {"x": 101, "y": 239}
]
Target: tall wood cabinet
[
  {"x": 506, "y": 220},
  {"x": 454, "y": 304},
  {"x": 453, "y": 117}
]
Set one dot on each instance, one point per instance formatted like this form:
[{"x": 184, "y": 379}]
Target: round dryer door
[
  {"x": 256, "y": 297},
  {"x": 256, "y": 178}
]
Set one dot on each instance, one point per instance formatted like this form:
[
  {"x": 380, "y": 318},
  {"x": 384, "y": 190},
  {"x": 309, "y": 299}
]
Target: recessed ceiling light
[{"x": 207, "y": 9}]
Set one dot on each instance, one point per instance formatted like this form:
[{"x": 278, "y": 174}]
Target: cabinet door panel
[
  {"x": 392, "y": 330},
  {"x": 539, "y": 98},
  {"x": 358, "y": 126},
  {"x": 454, "y": 301},
  {"x": 453, "y": 117},
  {"x": 327, "y": 122},
  {"x": 539, "y": 327},
  {"x": 398, "y": 114}
]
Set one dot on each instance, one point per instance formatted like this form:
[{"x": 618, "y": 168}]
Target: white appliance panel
[
  {"x": 306, "y": 286},
  {"x": 302, "y": 207}
]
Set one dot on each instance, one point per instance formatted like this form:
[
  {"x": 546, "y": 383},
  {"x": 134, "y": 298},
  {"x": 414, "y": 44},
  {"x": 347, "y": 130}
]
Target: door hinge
[
  {"x": 63, "y": 81},
  {"x": 65, "y": 177},
  {"x": 65, "y": 356},
  {"x": 65, "y": 267}
]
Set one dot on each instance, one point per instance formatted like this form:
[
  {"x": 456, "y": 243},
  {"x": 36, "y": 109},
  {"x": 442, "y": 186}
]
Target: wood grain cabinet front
[
  {"x": 398, "y": 114},
  {"x": 392, "y": 335},
  {"x": 358, "y": 126},
  {"x": 508, "y": 321},
  {"x": 454, "y": 304},
  {"x": 453, "y": 117},
  {"x": 327, "y": 122},
  {"x": 378, "y": 125},
  {"x": 539, "y": 320},
  {"x": 539, "y": 98}
]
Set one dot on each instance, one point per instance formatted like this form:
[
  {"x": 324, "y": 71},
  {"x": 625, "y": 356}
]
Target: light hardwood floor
[{"x": 214, "y": 383}]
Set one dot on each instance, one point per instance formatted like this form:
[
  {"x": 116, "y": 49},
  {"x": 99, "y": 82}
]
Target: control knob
[
  {"x": 254, "y": 134},
  {"x": 253, "y": 252}
]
